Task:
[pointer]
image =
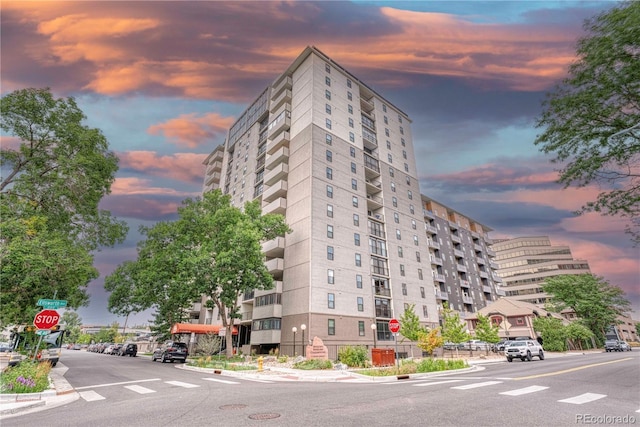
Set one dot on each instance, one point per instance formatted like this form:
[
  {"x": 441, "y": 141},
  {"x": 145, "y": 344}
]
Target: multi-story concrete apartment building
[
  {"x": 463, "y": 268},
  {"x": 524, "y": 263},
  {"x": 336, "y": 158}
]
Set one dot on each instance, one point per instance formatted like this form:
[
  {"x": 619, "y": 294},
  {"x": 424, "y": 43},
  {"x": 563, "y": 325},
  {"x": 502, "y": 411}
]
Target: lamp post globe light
[
  {"x": 294, "y": 330},
  {"x": 304, "y": 347},
  {"x": 375, "y": 332}
]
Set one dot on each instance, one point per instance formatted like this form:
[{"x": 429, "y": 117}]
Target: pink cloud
[
  {"x": 140, "y": 206},
  {"x": 138, "y": 186},
  {"x": 186, "y": 167},
  {"x": 191, "y": 130}
]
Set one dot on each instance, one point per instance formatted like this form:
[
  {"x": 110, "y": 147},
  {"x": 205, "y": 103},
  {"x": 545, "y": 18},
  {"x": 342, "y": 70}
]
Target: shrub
[
  {"x": 435, "y": 365},
  {"x": 27, "y": 377},
  {"x": 354, "y": 357},
  {"x": 311, "y": 364}
]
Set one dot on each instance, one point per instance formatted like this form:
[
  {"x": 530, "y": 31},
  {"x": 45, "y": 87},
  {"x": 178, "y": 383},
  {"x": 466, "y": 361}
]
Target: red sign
[
  {"x": 394, "y": 325},
  {"x": 46, "y": 319}
]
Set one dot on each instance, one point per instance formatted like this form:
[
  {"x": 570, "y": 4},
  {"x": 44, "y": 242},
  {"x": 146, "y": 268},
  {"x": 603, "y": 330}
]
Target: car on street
[
  {"x": 129, "y": 349},
  {"x": 524, "y": 350},
  {"x": 612, "y": 345},
  {"x": 171, "y": 351},
  {"x": 624, "y": 346},
  {"x": 476, "y": 345}
]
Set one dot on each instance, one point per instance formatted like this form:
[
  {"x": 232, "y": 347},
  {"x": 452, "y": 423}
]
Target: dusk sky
[{"x": 165, "y": 80}]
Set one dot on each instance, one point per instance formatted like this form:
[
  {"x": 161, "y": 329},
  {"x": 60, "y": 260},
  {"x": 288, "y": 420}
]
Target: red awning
[{"x": 198, "y": 328}]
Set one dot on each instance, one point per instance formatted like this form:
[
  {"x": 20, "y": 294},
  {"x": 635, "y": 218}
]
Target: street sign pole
[{"x": 397, "y": 358}]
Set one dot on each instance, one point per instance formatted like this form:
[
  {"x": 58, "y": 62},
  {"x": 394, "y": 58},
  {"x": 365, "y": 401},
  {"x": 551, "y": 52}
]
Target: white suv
[{"x": 524, "y": 350}]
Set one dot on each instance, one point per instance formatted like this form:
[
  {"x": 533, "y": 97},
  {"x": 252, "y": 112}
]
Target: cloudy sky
[{"x": 165, "y": 80}]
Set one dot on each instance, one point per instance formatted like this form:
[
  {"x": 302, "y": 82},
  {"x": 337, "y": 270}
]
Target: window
[
  {"x": 420, "y": 274},
  {"x": 329, "y": 173},
  {"x": 413, "y": 224},
  {"x": 361, "y": 328},
  {"x": 329, "y": 191},
  {"x": 328, "y": 123},
  {"x": 352, "y": 151},
  {"x": 331, "y": 326},
  {"x": 330, "y": 211},
  {"x": 350, "y": 109},
  {"x": 384, "y": 108},
  {"x": 412, "y": 210},
  {"x": 331, "y": 300},
  {"x": 402, "y": 273},
  {"x": 348, "y": 83},
  {"x": 390, "y": 158},
  {"x": 327, "y": 81},
  {"x": 352, "y": 137},
  {"x": 350, "y": 122},
  {"x": 330, "y": 231},
  {"x": 349, "y": 96},
  {"x": 386, "y": 120},
  {"x": 327, "y": 108},
  {"x": 327, "y": 94},
  {"x": 358, "y": 260},
  {"x": 354, "y": 201},
  {"x": 410, "y": 194},
  {"x": 418, "y": 256},
  {"x": 330, "y": 253},
  {"x": 398, "y": 235},
  {"x": 406, "y": 167},
  {"x": 331, "y": 278},
  {"x": 353, "y": 167},
  {"x": 404, "y": 289},
  {"x": 401, "y": 131},
  {"x": 327, "y": 68},
  {"x": 415, "y": 240},
  {"x": 403, "y": 142},
  {"x": 400, "y": 255},
  {"x": 425, "y": 313},
  {"x": 356, "y": 220},
  {"x": 388, "y": 145},
  {"x": 396, "y": 218},
  {"x": 328, "y": 139},
  {"x": 408, "y": 180},
  {"x": 422, "y": 294},
  {"x": 386, "y": 132},
  {"x": 394, "y": 201},
  {"x": 391, "y": 172},
  {"x": 329, "y": 156},
  {"x": 399, "y": 118},
  {"x": 356, "y": 239},
  {"x": 360, "y": 304},
  {"x": 359, "y": 281},
  {"x": 404, "y": 154},
  {"x": 354, "y": 184}
]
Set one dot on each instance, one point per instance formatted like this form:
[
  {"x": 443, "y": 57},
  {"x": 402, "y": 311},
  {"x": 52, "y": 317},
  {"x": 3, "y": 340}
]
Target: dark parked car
[
  {"x": 170, "y": 352},
  {"x": 129, "y": 350}
]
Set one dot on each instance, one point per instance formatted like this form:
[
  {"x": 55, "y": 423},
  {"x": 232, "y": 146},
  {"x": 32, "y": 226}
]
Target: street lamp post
[
  {"x": 294, "y": 330},
  {"x": 375, "y": 332},
  {"x": 304, "y": 346}
]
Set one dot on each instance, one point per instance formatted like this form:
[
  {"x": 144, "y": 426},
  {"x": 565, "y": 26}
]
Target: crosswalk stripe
[
  {"x": 181, "y": 384},
  {"x": 525, "y": 390},
  {"x": 139, "y": 389},
  {"x": 91, "y": 396},
  {"x": 583, "y": 398},
  {"x": 221, "y": 381},
  {"x": 476, "y": 385},
  {"x": 435, "y": 383}
]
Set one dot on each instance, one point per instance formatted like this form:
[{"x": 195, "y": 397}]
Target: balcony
[
  {"x": 465, "y": 284},
  {"x": 438, "y": 277},
  {"x": 500, "y": 292},
  {"x": 497, "y": 278},
  {"x": 436, "y": 260},
  {"x": 484, "y": 274},
  {"x": 373, "y": 186},
  {"x": 214, "y": 167},
  {"x": 278, "y": 206},
  {"x": 431, "y": 229},
  {"x": 213, "y": 178},
  {"x": 277, "y": 190},
  {"x": 366, "y": 105},
  {"x": 247, "y": 316},
  {"x": 280, "y": 141},
  {"x": 494, "y": 265},
  {"x": 374, "y": 202},
  {"x": 442, "y": 295},
  {"x": 467, "y": 299},
  {"x": 274, "y": 248},
  {"x": 371, "y": 167},
  {"x": 461, "y": 267},
  {"x": 480, "y": 261},
  {"x": 428, "y": 214},
  {"x": 284, "y": 84},
  {"x": 384, "y": 292},
  {"x": 456, "y": 238},
  {"x": 275, "y": 266},
  {"x": 433, "y": 244},
  {"x": 284, "y": 97},
  {"x": 276, "y": 174},
  {"x": 279, "y": 156},
  {"x": 477, "y": 247},
  {"x": 376, "y": 216},
  {"x": 491, "y": 252},
  {"x": 281, "y": 123},
  {"x": 486, "y": 289},
  {"x": 458, "y": 253}
]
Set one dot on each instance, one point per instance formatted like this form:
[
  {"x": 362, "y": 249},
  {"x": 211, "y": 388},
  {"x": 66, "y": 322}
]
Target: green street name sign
[
  {"x": 52, "y": 303},
  {"x": 43, "y": 332}
]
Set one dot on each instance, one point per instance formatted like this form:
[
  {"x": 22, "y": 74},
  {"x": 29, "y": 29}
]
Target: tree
[
  {"x": 209, "y": 345},
  {"x": 429, "y": 341},
  {"x": 54, "y": 177},
  {"x": 592, "y": 119},
  {"x": 73, "y": 322},
  {"x": 578, "y": 334},
  {"x": 485, "y": 331},
  {"x": 411, "y": 328},
  {"x": 596, "y": 303},
  {"x": 453, "y": 329},
  {"x": 552, "y": 332}
]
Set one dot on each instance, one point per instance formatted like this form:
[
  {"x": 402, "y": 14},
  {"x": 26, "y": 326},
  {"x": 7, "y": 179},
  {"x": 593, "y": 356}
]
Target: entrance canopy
[{"x": 198, "y": 328}]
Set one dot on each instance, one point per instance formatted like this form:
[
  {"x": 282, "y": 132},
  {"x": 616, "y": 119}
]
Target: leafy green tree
[
  {"x": 53, "y": 179},
  {"x": 73, "y": 322},
  {"x": 453, "y": 329},
  {"x": 85, "y": 339},
  {"x": 578, "y": 334},
  {"x": 410, "y": 327},
  {"x": 638, "y": 328},
  {"x": 592, "y": 120},
  {"x": 552, "y": 332},
  {"x": 107, "y": 334},
  {"x": 596, "y": 303},
  {"x": 485, "y": 331}
]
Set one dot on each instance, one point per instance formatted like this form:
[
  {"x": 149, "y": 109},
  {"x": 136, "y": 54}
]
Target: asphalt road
[{"x": 596, "y": 388}]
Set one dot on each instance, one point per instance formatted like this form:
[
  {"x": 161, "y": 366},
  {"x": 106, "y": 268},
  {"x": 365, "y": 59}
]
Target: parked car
[
  {"x": 476, "y": 345},
  {"x": 115, "y": 351},
  {"x": 624, "y": 346},
  {"x": 612, "y": 345},
  {"x": 108, "y": 349},
  {"x": 499, "y": 346},
  {"x": 170, "y": 352},
  {"x": 449, "y": 346},
  {"x": 524, "y": 350},
  {"x": 129, "y": 350}
]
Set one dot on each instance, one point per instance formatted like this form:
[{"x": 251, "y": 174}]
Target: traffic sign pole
[{"x": 394, "y": 327}]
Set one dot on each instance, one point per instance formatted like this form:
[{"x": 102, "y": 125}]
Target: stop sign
[
  {"x": 394, "y": 325},
  {"x": 46, "y": 319}
]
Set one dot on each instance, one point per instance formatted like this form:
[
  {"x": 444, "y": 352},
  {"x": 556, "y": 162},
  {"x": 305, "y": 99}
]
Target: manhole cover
[
  {"x": 263, "y": 416},
  {"x": 237, "y": 406}
]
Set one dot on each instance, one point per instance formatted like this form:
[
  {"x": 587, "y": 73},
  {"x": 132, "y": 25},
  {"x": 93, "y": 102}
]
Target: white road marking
[
  {"x": 583, "y": 398},
  {"x": 525, "y": 390},
  {"x": 221, "y": 381},
  {"x": 435, "y": 382},
  {"x": 91, "y": 396},
  {"x": 476, "y": 385},
  {"x": 120, "y": 383},
  {"x": 181, "y": 384},
  {"x": 139, "y": 389}
]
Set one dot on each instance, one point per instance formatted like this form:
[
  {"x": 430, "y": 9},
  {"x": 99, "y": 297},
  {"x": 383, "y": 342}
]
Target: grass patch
[
  {"x": 411, "y": 367},
  {"x": 312, "y": 364},
  {"x": 26, "y": 377},
  {"x": 210, "y": 362}
]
